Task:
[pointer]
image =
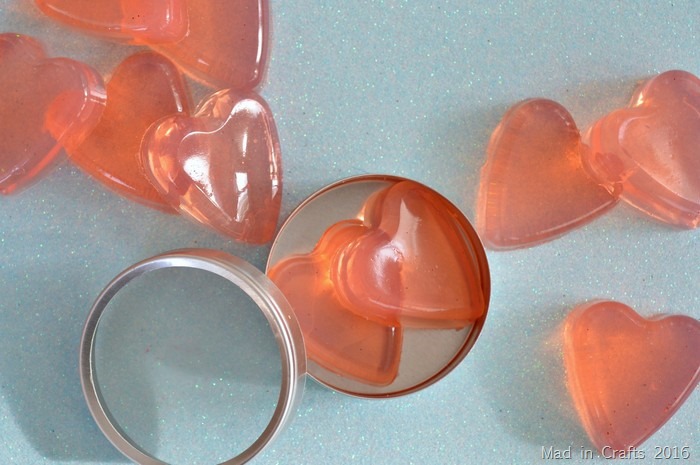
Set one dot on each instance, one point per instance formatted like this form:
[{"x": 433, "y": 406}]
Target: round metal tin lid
[
  {"x": 355, "y": 351},
  {"x": 263, "y": 293}
]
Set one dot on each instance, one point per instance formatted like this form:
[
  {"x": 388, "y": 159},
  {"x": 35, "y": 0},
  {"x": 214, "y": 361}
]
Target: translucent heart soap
[
  {"x": 337, "y": 339},
  {"x": 534, "y": 187},
  {"x": 221, "y": 167},
  {"x": 406, "y": 266},
  {"x": 411, "y": 264},
  {"x": 45, "y": 104},
  {"x": 226, "y": 43},
  {"x": 628, "y": 375},
  {"x": 135, "y": 21},
  {"x": 389, "y": 281},
  {"x": 144, "y": 88},
  {"x": 650, "y": 150}
]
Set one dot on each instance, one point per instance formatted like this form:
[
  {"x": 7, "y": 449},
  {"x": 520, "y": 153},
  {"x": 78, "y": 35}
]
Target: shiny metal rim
[{"x": 254, "y": 283}]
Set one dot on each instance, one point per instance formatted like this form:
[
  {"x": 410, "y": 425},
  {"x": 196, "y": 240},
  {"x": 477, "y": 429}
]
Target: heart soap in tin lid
[{"x": 381, "y": 271}]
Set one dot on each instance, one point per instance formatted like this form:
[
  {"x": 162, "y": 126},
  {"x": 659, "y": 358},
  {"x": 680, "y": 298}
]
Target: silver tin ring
[{"x": 259, "y": 288}]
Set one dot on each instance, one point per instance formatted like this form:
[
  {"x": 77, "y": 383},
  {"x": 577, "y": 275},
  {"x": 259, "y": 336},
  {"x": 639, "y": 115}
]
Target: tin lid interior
[
  {"x": 419, "y": 355},
  {"x": 137, "y": 373}
]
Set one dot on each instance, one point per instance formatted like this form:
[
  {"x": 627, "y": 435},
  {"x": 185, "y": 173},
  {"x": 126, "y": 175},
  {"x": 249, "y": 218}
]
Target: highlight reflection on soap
[
  {"x": 407, "y": 264},
  {"x": 402, "y": 262},
  {"x": 220, "y": 167}
]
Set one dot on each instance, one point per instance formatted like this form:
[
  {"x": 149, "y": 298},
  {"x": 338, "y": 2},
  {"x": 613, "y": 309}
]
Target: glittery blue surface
[{"x": 399, "y": 87}]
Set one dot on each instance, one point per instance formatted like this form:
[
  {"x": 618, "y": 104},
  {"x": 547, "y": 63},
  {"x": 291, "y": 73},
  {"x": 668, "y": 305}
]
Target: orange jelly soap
[
  {"x": 389, "y": 281},
  {"x": 135, "y": 21},
  {"x": 220, "y": 167},
  {"x": 651, "y": 149},
  {"x": 411, "y": 264},
  {"x": 144, "y": 88},
  {"x": 45, "y": 104},
  {"x": 628, "y": 375},
  {"x": 533, "y": 185},
  {"x": 226, "y": 43},
  {"x": 337, "y": 339}
]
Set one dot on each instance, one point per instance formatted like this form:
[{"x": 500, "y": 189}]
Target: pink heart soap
[
  {"x": 46, "y": 104},
  {"x": 651, "y": 149},
  {"x": 628, "y": 375},
  {"x": 337, "y": 339},
  {"x": 412, "y": 263},
  {"x": 135, "y": 21},
  {"x": 226, "y": 43},
  {"x": 533, "y": 185},
  {"x": 221, "y": 167},
  {"x": 144, "y": 88}
]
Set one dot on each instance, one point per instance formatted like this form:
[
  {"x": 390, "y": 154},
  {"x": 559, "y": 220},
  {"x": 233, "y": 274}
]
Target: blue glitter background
[{"x": 406, "y": 88}]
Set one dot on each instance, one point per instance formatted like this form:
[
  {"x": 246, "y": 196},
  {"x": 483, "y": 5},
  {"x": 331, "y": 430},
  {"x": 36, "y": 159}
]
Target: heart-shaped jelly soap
[
  {"x": 221, "y": 167},
  {"x": 627, "y": 374},
  {"x": 136, "y": 21},
  {"x": 226, "y": 43},
  {"x": 533, "y": 184},
  {"x": 650, "y": 150},
  {"x": 412, "y": 264},
  {"x": 44, "y": 105},
  {"x": 337, "y": 339},
  {"x": 144, "y": 88}
]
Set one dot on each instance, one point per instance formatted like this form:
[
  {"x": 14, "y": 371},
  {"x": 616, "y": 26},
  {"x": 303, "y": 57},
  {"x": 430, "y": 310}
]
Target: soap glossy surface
[
  {"x": 45, "y": 103},
  {"x": 336, "y": 338},
  {"x": 144, "y": 88},
  {"x": 627, "y": 374},
  {"x": 220, "y": 167},
  {"x": 415, "y": 277},
  {"x": 650, "y": 150},
  {"x": 411, "y": 263},
  {"x": 533, "y": 185},
  {"x": 136, "y": 21},
  {"x": 226, "y": 43}
]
